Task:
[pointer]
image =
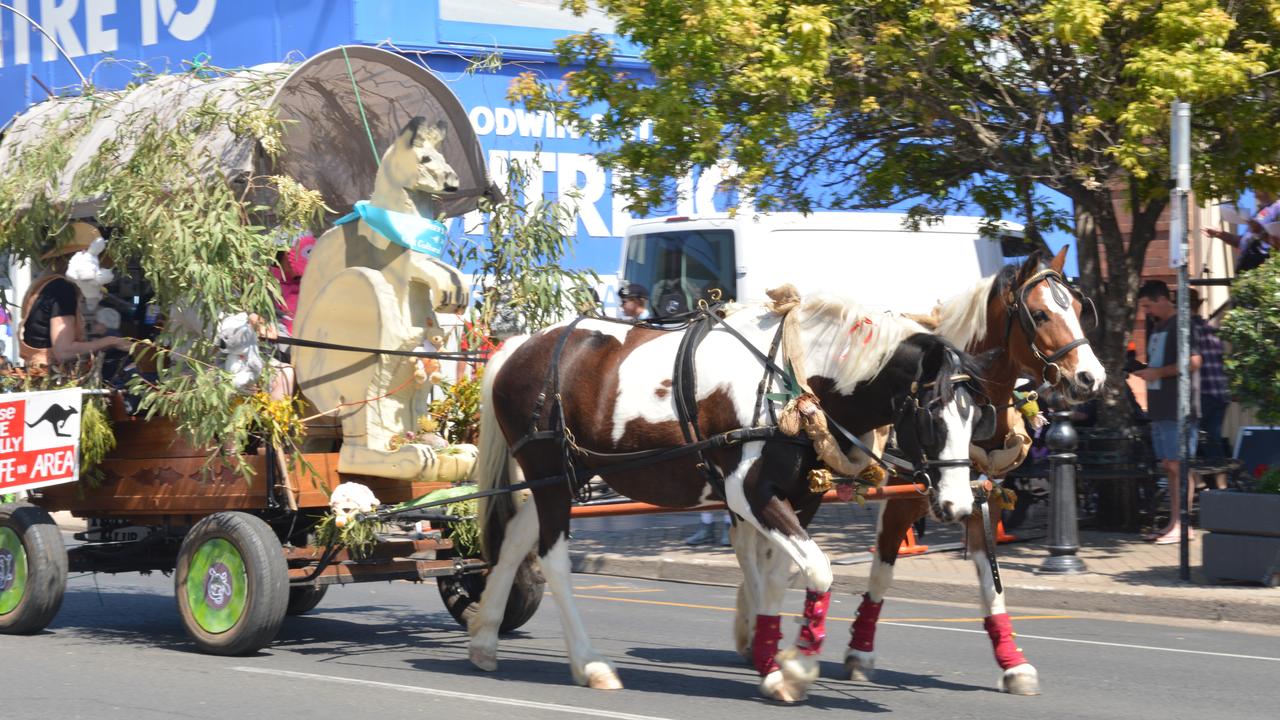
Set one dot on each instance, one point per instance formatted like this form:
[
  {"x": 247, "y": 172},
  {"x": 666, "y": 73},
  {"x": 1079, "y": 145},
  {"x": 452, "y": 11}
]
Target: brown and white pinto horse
[
  {"x": 614, "y": 388},
  {"x": 1029, "y": 317}
]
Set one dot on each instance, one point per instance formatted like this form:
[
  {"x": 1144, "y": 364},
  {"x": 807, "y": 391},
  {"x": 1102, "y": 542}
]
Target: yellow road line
[{"x": 718, "y": 608}]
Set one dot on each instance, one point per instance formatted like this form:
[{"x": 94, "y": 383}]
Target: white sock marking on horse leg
[
  {"x": 992, "y": 601},
  {"x": 588, "y": 667},
  {"x": 745, "y": 545},
  {"x": 881, "y": 571},
  {"x": 521, "y": 533}
]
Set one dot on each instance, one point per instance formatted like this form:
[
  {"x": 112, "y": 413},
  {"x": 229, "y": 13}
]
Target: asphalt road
[{"x": 389, "y": 650}]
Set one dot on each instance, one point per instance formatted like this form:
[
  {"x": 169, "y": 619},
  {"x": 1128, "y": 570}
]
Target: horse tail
[{"x": 494, "y": 467}]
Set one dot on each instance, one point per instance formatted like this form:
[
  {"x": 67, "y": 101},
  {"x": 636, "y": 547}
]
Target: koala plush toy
[{"x": 238, "y": 339}]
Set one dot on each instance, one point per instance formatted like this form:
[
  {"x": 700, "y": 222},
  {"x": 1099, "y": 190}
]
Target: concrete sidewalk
[{"x": 1126, "y": 574}]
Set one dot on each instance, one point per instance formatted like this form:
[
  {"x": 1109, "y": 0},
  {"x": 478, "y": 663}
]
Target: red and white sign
[{"x": 39, "y": 439}]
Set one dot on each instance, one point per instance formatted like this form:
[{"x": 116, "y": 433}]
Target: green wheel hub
[
  {"x": 13, "y": 570},
  {"x": 217, "y": 586}
]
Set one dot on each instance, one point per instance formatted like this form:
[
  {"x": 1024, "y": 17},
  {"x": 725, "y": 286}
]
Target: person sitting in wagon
[{"x": 53, "y": 329}]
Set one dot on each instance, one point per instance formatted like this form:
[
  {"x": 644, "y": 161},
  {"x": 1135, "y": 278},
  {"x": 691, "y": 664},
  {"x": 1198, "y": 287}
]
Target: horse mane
[
  {"x": 865, "y": 341},
  {"x": 962, "y": 319}
]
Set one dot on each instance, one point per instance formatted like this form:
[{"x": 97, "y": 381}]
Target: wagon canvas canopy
[{"x": 337, "y": 107}]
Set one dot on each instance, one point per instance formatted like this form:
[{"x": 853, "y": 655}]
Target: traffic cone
[
  {"x": 909, "y": 545},
  {"x": 1001, "y": 535}
]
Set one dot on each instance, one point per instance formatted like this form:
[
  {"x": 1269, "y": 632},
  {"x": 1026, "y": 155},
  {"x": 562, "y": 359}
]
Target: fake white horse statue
[{"x": 365, "y": 287}]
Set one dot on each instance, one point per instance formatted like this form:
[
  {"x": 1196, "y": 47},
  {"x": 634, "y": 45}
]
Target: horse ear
[
  {"x": 931, "y": 359},
  {"x": 1029, "y": 266},
  {"x": 1059, "y": 260}
]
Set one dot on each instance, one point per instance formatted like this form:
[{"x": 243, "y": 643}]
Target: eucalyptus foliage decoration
[
  {"x": 521, "y": 283},
  {"x": 204, "y": 240}
]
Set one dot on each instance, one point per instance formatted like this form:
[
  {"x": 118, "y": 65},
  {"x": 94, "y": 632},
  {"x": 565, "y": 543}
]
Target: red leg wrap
[
  {"x": 814, "y": 630},
  {"x": 864, "y": 626},
  {"x": 1000, "y": 628},
  {"x": 765, "y": 645}
]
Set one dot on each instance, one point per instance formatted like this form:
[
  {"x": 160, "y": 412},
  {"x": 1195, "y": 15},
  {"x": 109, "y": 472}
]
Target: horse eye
[{"x": 1040, "y": 316}]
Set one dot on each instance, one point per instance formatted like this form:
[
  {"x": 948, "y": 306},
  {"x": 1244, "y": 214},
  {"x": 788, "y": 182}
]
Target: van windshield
[{"x": 679, "y": 268}]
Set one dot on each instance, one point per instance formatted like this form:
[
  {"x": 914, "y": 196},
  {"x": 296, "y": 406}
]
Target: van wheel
[
  {"x": 232, "y": 584},
  {"x": 33, "y": 569}
]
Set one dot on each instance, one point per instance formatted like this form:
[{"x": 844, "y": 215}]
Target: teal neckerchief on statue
[{"x": 415, "y": 232}]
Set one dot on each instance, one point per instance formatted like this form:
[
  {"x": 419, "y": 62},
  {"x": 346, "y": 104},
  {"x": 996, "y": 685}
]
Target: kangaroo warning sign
[{"x": 39, "y": 439}]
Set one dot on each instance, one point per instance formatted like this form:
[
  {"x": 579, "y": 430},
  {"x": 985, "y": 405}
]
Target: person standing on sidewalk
[
  {"x": 1214, "y": 393},
  {"x": 1161, "y": 376}
]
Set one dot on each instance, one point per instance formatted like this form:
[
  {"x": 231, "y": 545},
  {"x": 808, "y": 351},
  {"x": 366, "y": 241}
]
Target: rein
[{"x": 435, "y": 354}]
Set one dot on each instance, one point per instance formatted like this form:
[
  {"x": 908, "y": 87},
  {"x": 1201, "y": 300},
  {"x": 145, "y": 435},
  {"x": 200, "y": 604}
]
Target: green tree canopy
[
  {"x": 946, "y": 103},
  {"x": 1253, "y": 329}
]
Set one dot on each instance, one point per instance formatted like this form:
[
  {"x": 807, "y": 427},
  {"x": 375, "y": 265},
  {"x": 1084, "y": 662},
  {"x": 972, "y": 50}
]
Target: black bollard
[{"x": 1064, "y": 533}]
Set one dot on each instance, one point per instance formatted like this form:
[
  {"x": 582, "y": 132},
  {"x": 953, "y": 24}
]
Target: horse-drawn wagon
[
  {"x": 237, "y": 520},
  {"x": 664, "y": 422}
]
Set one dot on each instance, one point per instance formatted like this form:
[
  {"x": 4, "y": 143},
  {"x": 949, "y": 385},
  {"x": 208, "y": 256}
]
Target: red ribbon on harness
[
  {"x": 864, "y": 625},
  {"x": 1000, "y": 629}
]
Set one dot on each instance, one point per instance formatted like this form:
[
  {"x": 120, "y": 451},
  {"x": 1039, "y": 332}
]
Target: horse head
[
  {"x": 888, "y": 370},
  {"x": 937, "y": 418},
  {"x": 1037, "y": 304},
  {"x": 414, "y": 169}
]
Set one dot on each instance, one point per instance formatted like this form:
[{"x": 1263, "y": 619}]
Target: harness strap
[
  {"x": 989, "y": 541},
  {"x": 631, "y": 461},
  {"x": 685, "y": 390},
  {"x": 762, "y": 392}
]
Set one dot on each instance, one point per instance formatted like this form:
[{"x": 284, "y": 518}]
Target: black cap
[{"x": 633, "y": 290}]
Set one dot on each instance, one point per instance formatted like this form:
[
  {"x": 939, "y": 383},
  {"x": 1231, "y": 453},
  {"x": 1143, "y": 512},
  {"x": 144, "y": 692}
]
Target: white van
[{"x": 869, "y": 257}]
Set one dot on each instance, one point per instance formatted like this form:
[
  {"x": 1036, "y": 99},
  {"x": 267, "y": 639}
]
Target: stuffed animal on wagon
[
  {"x": 373, "y": 281},
  {"x": 86, "y": 271},
  {"x": 239, "y": 340}
]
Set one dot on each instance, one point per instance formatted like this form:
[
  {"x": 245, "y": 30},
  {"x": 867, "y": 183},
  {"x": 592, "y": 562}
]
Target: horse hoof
[
  {"x": 484, "y": 660},
  {"x": 1021, "y": 680},
  {"x": 861, "y": 666},
  {"x": 776, "y": 688},
  {"x": 600, "y": 675}
]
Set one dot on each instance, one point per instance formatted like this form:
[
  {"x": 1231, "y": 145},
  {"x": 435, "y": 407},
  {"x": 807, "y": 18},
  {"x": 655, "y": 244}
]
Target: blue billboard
[{"x": 111, "y": 41}]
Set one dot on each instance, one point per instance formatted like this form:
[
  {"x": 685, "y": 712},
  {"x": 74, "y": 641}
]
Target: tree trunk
[{"x": 1098, "y": 238}]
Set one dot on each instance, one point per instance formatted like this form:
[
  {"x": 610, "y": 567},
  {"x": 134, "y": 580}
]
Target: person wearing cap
[
  {"x": 52, "y": 329},
  {"x": 635, "y": 302}
]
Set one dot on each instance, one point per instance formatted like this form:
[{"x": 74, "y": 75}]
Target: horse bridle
[
  {"x": 1061, "y": 293},
  {"x": 922, "y": 464}
]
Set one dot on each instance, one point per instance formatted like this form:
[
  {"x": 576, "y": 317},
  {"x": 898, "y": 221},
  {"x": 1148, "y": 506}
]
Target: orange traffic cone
[
  {"x": 909, "y": 546},
  {"x": 1001, "y": 535}
]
